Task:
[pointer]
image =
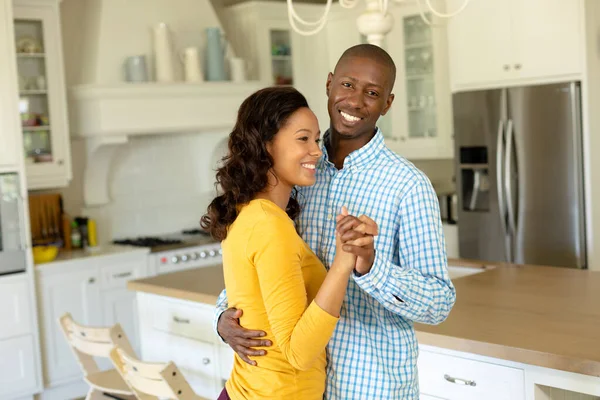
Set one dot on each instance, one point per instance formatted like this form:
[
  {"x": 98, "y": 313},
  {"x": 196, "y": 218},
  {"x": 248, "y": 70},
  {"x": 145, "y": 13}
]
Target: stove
[{"x": 193, "y": 248}]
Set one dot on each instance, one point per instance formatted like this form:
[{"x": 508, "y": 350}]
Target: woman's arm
[{"x": 301, "y": 332}]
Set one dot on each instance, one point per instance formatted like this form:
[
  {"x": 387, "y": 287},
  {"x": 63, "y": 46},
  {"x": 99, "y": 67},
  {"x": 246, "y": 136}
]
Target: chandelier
[{"x": 375, "y": 22}]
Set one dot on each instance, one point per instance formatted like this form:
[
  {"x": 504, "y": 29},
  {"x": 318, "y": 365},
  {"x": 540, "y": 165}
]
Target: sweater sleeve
[{"x": 275, "y": 249}]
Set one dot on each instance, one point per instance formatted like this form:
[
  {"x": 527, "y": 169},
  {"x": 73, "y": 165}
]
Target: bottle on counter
[
  {"x": 92, "y": 234},
  {"x": 75, "y": 236}
]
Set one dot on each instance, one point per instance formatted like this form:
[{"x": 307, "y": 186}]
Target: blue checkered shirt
[{"x": 373, "y": 351}]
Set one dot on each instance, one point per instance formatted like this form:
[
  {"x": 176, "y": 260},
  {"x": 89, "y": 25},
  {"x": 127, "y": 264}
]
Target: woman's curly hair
[{"x": 244, "y": 172}]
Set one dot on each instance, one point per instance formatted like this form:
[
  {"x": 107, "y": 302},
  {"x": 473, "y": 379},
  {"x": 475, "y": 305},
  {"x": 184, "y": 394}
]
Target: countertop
[
  {"x": 544, "y": 316},
  {"x": 99, "y": 251}
]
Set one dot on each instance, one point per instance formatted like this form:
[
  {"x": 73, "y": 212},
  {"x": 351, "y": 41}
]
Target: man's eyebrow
[{"x": 368, "y": 83}]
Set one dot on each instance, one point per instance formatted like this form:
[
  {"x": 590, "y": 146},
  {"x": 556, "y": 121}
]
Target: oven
[{"x": 200, "y": 256}]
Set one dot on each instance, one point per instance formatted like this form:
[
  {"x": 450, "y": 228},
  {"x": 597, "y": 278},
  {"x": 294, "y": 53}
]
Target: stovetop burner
[
  {"x": 195, "y": 232},
  {"x": 149, "y": 241}
]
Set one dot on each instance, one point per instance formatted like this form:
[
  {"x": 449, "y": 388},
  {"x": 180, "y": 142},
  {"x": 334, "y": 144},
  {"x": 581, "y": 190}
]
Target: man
[{"x": 400, "y": 280}]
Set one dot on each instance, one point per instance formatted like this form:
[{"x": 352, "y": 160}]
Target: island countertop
[{"x": 544, "y": 316}]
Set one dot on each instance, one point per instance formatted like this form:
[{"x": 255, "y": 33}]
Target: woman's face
[{"x": 295, "y": 149}]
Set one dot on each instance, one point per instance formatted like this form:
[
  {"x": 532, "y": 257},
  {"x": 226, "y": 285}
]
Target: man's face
[{"x": 358, "y": 93}]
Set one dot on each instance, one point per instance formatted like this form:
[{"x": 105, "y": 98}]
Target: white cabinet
[
  {"x": 9, "y": 127},
  {"x": 15, "y": 311},
  {"x": 76, "y": 292},
  {"x": 42, "y": 103},
  {"x": 495, "y": 42},
  {"x": 260, "y": 33},
  {"x": 181, "y": 331},
  {"x": 17, "y": 367},
  {"x": 455, "y": 378},
  {"x": 19, "y": 356},
  {"x": 119, "y": 306},
  {"x": 93, "y": 290},
  {"x": 419, "y": 123}
]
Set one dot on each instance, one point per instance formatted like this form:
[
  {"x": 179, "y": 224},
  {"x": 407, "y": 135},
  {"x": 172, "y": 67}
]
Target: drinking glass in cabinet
[{"x": 416, "y": 31}]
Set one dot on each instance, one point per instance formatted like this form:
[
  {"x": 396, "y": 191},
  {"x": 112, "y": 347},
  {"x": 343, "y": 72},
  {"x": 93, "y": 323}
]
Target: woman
[{"x": 270, "y": 272}]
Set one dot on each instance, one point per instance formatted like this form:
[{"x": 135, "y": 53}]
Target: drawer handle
[
  {"x": 206, "y": 361},
  {"x": 181, "y": 320},
  {"x": 122, "y": 275},
  {"x": 459, "y": 381}
]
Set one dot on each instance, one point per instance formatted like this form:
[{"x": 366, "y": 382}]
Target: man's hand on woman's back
[{"x": 243, "y": 341}]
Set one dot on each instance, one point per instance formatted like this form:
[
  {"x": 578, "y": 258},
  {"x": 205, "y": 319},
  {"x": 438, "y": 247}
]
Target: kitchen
[{"x": 138, "y": 158}]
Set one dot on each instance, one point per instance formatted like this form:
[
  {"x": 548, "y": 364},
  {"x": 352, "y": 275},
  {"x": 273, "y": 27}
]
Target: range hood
[
  {"x": 98, "y": 35},
  {"x": 107, "y": 116}
]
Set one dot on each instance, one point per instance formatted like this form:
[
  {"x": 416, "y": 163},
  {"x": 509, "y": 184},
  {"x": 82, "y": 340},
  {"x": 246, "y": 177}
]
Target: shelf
[
  {"x": 36, "y": 128},
  {"x": 32, "y": 92},
  {"x": 31, "y": 55},
  {"x": 417, "y": 109},
  {"x": 416, "y": 77},
  {"x": 281, "y": 58},
  {"x": 417, "y": 45}
]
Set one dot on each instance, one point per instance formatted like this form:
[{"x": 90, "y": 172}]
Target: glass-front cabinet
[
  {"x": 281, "y": 57},
  {"x": 42, "y": 99},
  {"x": 420, "y": 119}
]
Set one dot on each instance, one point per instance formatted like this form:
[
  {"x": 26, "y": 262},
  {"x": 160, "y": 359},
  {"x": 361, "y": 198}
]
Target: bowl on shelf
[{"x": 43, "y": 254}]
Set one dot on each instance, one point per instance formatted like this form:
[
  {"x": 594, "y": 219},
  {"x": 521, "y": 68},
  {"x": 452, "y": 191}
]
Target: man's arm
[
  {"x": 220, "y": 308},
  {"x": 226, "y": 324},
  {"x": 419, "y": 289}
]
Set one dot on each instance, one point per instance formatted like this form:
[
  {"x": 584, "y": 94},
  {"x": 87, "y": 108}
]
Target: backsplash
[
  {"x": 161, "y": 184},
  {"x": 158, "y": 184}
]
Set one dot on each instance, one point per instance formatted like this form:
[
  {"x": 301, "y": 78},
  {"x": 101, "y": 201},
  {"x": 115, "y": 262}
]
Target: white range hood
[
  {"x": 106, "y": 116},
  {"x": 98, "y": 35}
]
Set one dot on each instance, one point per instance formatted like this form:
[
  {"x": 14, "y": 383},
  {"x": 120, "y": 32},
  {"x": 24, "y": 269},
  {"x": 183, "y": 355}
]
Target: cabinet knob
[
  {"x": 517, "y": 66},
  {"x": 92, "y": 280},
  {"x": 506, "y": 67},
  {"x": 402, "y": 138},
  {"x": 206, "y": 361},
  {"x": 60, "y": 162}
]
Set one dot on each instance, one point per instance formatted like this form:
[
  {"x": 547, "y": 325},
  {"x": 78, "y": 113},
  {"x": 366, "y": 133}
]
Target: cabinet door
[
  {"x": 9, "y": 128},
  {"x": 480, "y": 42},
  {"x": 76, "y": 293},
  {"x": 419, "y": 123},
  {"x": 17, "y": 367},
  {"x": 42, "y": 95},
  {"x": 549, "y": 37},
  {"x": 119, "y": 306}
]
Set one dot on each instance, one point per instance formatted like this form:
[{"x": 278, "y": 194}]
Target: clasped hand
[{"x": 356, "y": 235}]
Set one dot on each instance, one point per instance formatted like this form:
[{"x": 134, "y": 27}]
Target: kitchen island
[{"x": 516, "y": 332}]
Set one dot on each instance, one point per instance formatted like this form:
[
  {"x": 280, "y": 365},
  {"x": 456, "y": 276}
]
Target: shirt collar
[{"x": 358, "y": 158}]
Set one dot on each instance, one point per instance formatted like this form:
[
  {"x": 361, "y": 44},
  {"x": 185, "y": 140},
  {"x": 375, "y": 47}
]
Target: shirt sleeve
[
  {"x": 300, "y": 332},
  {"x": 419, "y": 289},
  {"x": 221, "y": 307}
]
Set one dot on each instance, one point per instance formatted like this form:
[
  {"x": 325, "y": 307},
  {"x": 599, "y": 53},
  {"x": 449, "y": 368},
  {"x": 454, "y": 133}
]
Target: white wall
[
  {"x": 99, "y": 34},
  {"x": 158, "y": 184}
]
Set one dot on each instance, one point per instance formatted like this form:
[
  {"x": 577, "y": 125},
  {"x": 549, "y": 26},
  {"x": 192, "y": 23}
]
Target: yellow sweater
[{"x": 273, "y": 276}]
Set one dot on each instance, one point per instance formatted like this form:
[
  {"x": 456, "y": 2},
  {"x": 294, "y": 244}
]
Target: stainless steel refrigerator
[{"x": 520, "y": 175}]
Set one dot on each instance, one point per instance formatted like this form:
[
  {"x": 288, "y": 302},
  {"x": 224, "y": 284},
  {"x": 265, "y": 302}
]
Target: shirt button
[{"x": 330, "y": 216}]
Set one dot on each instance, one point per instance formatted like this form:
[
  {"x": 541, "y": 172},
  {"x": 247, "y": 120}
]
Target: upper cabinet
[
  {"x": 42, "y": 103},
  {"x": 500, "y": 42},
  {"x": 419, "y": 123},
  {"x": 9, "y": 127},
  {"x": 260, "y": 33}
]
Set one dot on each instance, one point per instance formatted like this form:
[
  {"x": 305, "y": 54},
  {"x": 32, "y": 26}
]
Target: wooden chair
[
  {"x": 87, "y": 343},
  {"x": 151, "y": 381}
]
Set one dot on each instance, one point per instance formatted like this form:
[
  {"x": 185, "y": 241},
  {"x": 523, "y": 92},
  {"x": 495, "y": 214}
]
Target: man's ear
[
  {"x": 328, "y": 84},
  {"x": 389, "y": 102}
]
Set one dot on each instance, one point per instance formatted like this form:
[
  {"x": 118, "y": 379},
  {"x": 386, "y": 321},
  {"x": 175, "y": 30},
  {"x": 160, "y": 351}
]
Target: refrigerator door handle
[
  {"x": 500, "y": 182},
  {"x": 507, "y": 177}
]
